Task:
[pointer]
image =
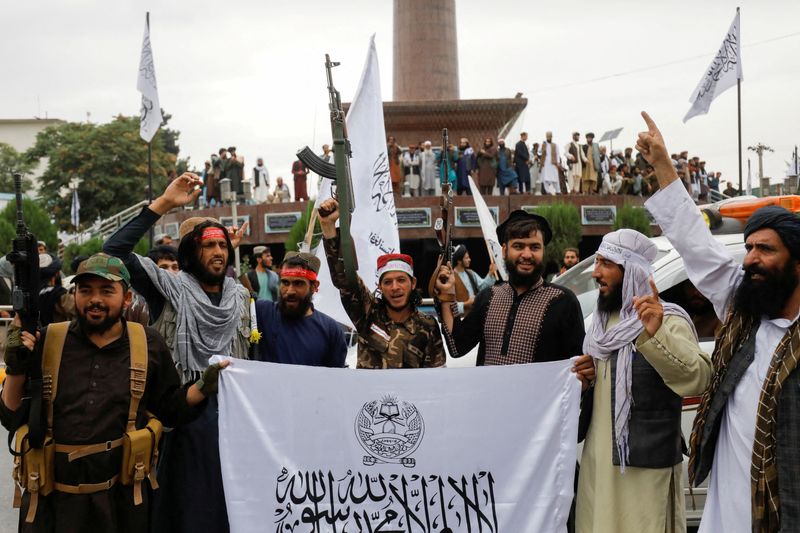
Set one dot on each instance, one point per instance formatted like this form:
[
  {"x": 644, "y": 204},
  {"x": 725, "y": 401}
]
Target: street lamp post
[{"x": 230, "y": 196}]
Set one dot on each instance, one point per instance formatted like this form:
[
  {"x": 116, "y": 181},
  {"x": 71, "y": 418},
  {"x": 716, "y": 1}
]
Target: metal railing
[{"x": 103, "y": 228}]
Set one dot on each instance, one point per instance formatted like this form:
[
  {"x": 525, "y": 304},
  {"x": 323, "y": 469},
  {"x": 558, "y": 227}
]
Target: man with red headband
[
  {"x": 294, "y": 332},
  {"x": 392, "y": 333},
  {"x": 200, "y": 313}
]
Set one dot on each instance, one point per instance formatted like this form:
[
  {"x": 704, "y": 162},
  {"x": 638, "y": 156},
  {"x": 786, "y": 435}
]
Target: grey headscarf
[
  {"x": 202, "y": 329},
  {"x": 635, "y": 253}
]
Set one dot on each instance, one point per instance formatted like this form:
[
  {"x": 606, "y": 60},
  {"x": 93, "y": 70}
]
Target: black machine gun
[
  {"x": 25, "y": 301},
  {"x": 442, "y": 224},
  {"x": 338, "y": 171}
]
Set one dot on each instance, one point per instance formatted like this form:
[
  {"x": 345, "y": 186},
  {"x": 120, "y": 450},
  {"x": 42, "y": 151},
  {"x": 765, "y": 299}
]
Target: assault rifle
[
  {"x": 25, "y": 301},
  {"x": 338, "y": 171},
  {"x": 442, "y": 224}
]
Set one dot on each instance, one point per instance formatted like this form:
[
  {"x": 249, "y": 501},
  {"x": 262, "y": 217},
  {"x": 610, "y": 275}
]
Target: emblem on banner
[{"x": 390, "y": 430}]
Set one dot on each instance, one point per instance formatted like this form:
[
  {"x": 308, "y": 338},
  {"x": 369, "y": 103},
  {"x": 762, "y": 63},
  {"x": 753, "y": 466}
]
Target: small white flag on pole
[
  {"x": 150, "y": 112},
  {"x": 374, "y": 223},
  {"x": 489, "y": 229},
  {"x": 75, "y": 210},
  {"x": 721, "y": 75}
]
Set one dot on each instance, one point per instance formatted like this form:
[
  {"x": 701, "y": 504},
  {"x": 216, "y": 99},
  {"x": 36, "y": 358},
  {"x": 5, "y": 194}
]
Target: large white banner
[
  {"x": 489, "y": 229},
  {"x": 150, "y": 112},
  {"x": 721, "y": 75},
  {"x": 374, "y": 222},
  {"x": 313, "y": 450}
]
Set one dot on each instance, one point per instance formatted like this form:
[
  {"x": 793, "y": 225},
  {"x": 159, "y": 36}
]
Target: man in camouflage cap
[
  {"x": 93, "y": 401},
  {"x": 392, "y": 333}
]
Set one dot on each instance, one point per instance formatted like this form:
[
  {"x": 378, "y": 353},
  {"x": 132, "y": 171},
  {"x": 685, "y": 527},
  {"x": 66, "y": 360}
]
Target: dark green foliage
[
  {"x": 37, "y": 220},
  {"x": 12, "y": 162},
  {"x": 111, "y": 161},
  {"x": 565, "y": 221},
  {"x": 633, "y": 217}
]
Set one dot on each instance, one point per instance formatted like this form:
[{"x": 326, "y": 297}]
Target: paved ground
[{"x": 8, "y": 515}]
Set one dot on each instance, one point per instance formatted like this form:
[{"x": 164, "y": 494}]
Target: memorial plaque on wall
[
  {"x": 467, "y": 217},
  {"x": 228, "y": 222},
  {"x": 531, "y": 208},
  {"x": 598, "y": 215},
  {"x": 280, "y": 222},
  {"x": 413, "y": 217}
]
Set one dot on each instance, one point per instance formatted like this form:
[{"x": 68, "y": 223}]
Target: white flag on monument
[
  {"x": 150, "y": 113},
  {"x": 432, "y": 450},
  {"x": 489, "y": 229},
  {"x": 721, "y": 75},
  {"x": 374, "y": 222}
]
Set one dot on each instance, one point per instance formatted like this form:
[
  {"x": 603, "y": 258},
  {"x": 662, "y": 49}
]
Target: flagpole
[
  {"x": 739, "y": 112},
  {"x": 150, "y": 182}
]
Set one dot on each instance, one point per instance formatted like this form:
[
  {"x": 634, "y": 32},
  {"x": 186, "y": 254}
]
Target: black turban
[{"x": 783, "y": 221}]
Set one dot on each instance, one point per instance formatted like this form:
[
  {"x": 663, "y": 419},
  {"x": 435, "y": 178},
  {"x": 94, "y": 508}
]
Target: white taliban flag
[
  {"x": 489, "y": 449},
  {"x": 374, "y": 222},
  {"x": 722, "y": 74},
  {"x": 489, "y": 229},
  {"x": 75, "y": 209},
  {"x": 150, "y": 113}
]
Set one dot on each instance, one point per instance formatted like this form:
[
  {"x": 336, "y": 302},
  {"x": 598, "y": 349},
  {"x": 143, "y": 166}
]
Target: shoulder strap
[
  {"x": 56, "y": 335},
  {"x": 138, "y": 347}
]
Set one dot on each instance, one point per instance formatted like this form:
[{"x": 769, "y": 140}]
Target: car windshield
[{"x": 579, "y": 280}]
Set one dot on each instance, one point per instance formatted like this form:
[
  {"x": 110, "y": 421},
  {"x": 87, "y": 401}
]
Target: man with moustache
[
  {"x": 294, "y": 332},
  {"x": 522, "y": 321},
  {"x": 647, "y": 359},
  {"x": 392, "y": 333},
  {"x": 201, "y": 313},
  {"x": 748, "y": 424},
  {"x": 91, "y": 411}
]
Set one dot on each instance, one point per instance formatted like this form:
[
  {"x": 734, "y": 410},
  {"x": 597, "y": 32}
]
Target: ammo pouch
[
  {"x": 139, "y": 457},
  {"x": 33, "y": 470}
]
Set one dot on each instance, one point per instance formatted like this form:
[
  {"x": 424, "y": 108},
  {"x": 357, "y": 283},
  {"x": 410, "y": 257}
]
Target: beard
[
  {"x": 608, "y": 303},
  {"x": 107, "y": 323},
  {"x": 295, "y": 313},
  {"x": 524, "y": 279},
  {"x": 768, "y": 296}
]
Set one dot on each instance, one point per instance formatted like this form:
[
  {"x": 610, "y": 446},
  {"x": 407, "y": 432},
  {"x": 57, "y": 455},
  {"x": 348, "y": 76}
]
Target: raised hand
[
  {"x": 650, "y": 310},
  {"x": 237, "y": 234},
  {"x": 652, "y": 147},
  {"x": 445, "y": 285},
  {"x": 328, "y": 215},
  {"x": 183, "y": 190}
]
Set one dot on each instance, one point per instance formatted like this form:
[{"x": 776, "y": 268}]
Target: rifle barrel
[{"x": 18, "y": 193}]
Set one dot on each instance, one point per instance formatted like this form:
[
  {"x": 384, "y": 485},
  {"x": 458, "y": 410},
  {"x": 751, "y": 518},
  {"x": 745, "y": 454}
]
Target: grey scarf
[
  {"x": 620, "y": 339},
  {"x": 202, "y": 329}
]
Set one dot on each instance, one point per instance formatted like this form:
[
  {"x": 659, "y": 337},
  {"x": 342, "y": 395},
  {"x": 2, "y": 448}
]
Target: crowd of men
[
  {"x": 118, "y": 381},
  {"x": 542, "y": 168},
  {"x": 252, "y": 187}
]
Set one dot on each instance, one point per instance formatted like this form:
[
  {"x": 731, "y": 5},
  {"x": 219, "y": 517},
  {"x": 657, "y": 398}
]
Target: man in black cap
[
  {"x": 471, "y": 280},
  {"x": 748, "y": 423},
  {"x": 522, "y": 321}
]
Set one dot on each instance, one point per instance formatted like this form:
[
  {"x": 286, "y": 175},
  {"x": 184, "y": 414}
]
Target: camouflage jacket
[{"x": 383, "y": 343}]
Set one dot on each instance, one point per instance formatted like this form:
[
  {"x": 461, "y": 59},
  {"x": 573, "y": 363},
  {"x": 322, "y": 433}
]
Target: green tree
[
  {"x": 37, "y": 220},
  {"x": 633, "y": 217},
  {"x": 12, "y": 162},
  {"x": 298, "y": 232},
  {"x": 565, "y": 221},
  {"x": 111, "y": 161},
  {"x": 7, "y": 234},
  {"x": 93, "y": 246}
]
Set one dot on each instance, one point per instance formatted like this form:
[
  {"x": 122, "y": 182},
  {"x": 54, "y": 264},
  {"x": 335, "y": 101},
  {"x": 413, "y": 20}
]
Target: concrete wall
[{"x": 21, "y": 134}]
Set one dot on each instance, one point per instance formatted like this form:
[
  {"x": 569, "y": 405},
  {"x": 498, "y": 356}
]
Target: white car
[{"x": 669, "y": 275}]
